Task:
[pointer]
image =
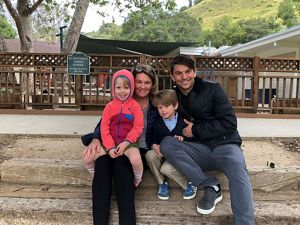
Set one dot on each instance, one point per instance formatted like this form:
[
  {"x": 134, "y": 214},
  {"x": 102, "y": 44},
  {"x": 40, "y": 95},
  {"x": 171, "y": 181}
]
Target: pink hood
[{"x": 123, "y": 73}]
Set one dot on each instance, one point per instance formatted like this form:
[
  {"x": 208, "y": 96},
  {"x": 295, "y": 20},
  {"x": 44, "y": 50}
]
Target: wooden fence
[{"x": 40, "y": 81}]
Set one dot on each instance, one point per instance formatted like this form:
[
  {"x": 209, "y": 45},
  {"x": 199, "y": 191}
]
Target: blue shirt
[{"x": 171, "y": 123}]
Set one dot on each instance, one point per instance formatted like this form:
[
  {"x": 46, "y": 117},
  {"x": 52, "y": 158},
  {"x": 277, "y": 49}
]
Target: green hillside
[{"x": 211, "y": 11}]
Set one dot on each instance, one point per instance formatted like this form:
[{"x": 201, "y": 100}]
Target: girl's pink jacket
[{"x": 121, "y": 120}]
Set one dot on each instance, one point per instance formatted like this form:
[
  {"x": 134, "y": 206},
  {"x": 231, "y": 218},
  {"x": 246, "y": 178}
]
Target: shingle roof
[{"x": 13, "y": 45}]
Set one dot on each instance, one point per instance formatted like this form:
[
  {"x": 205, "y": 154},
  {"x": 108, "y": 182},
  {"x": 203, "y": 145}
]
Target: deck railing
[{"x": 40, "y": 81}]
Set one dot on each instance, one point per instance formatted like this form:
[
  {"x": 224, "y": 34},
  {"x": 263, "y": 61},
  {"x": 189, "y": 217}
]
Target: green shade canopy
[{"x": 101, "y": 46}]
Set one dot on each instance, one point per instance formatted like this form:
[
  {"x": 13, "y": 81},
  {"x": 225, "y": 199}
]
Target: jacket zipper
[{"x": 120, "y": 122}]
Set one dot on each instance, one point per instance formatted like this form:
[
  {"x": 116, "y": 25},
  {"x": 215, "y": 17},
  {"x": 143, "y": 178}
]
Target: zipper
[{"x": 119, "y": 122}]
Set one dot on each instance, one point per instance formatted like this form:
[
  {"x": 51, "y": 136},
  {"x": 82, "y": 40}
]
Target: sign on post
[{"x": 78, "y": 64}]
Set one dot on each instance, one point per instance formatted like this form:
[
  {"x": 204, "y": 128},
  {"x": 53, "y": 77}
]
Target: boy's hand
[
  {"x": 156, "y": 148},
  {"x": 178, "y": 137},
  {"x": 121, "y": 147}
]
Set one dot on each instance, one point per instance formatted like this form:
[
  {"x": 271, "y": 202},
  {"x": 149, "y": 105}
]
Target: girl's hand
[
  {"x": 178, "y": 137},
  {"x": 121, "y": 147},
  {"x": 112, "y": 153}
]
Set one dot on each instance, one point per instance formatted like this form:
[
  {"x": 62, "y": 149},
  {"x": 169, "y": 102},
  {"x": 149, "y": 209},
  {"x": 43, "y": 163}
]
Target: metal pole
[{"x": 61, "y": 36}]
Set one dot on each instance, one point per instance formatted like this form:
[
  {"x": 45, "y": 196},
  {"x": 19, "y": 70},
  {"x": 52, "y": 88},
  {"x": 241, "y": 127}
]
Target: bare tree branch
[
  {"x": 13, "y": 12},
  {"x": 35, "y": 6}
]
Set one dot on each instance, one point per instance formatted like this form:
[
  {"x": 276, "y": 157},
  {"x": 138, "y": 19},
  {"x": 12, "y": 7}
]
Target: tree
[
  {"x": 159, "y": 25},
  {"x": 22, "y": 15},
  {"x": 255, "y": 28},
  {"x": 224, "y": 32},
  {"x": 48, "y": 18},
  {"x": 6, "y": 30},
  {"x": 287, "y": 13},
  {"x": 107, "y": 31}
]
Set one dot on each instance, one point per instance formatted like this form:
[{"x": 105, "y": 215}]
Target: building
[{"x": 283, "y": 44}]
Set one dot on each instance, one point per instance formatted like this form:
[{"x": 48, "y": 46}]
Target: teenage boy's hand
[{"x": 187, "y": 131}]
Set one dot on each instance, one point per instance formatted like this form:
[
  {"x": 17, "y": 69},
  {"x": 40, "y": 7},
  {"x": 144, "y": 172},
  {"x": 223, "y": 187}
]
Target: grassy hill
[{"x": 211, "y": 11}]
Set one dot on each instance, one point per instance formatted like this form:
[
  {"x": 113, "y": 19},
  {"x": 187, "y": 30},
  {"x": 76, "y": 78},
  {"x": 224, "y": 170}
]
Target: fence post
[
  {"x": 143, "y": 59},
  {"x": 78, "y": 90},
  {"x": 255, "y": 84}
]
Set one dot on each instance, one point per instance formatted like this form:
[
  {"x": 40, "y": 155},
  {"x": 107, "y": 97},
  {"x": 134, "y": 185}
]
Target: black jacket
[
  {"x": 160, "y": 130},
  {"x": 208, "y": 107}
]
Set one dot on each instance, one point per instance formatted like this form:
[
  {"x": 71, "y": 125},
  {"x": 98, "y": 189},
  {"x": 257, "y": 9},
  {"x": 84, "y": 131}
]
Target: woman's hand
[{"x": 92, "y": 150}]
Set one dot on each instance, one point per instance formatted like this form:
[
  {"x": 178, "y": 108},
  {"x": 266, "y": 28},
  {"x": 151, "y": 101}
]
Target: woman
[{"x": 120, "y": 167}]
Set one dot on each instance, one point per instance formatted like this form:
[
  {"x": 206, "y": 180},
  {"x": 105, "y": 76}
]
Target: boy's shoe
[
  {"x": 190, "y": 191},
  {"x": 209, "y": 200},
  {"x": 163, "y": 191}
]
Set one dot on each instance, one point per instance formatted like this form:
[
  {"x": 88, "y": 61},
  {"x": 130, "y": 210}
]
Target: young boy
[
  {"x": 122, "y": 124},
  {"x": 169, "y": 124}
]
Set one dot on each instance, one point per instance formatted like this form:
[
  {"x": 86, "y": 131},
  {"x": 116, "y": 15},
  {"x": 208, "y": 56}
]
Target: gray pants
[
  {"x": 192, "y": 159},
  {"x": 160, "y": 169}
]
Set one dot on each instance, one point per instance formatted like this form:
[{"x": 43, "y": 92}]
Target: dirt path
[{"x": 282, "y": 152}]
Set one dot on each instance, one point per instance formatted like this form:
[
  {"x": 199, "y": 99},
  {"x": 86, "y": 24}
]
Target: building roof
[
  {"x": 13, "y": 45},
  {"x": 286, "y": 42},
  {"x": 101, "y": 46}
]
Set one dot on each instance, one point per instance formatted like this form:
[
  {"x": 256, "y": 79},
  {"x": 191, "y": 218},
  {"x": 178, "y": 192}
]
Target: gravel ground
[{"x": 281, "y": 151}]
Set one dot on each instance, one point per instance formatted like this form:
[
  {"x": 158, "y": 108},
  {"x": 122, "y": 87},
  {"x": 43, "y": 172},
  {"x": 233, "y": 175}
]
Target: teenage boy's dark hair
[
  {"x": 166, "y": 97},
  {"x": 183, "y": 60}
]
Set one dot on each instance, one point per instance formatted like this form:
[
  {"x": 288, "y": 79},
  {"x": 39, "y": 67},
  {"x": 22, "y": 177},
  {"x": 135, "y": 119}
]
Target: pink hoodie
[{"x": 121, "y": 120}]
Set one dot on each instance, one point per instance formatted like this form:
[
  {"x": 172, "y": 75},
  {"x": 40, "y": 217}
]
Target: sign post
[{"x": 78, "y": 64}]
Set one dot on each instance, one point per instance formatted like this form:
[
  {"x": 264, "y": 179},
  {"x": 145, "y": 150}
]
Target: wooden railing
[{"x": 40, "y": 81}]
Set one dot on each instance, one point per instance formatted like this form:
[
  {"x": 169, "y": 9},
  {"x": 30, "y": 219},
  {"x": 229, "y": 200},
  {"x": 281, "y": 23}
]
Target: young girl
[{"x": 122, "y": 124}]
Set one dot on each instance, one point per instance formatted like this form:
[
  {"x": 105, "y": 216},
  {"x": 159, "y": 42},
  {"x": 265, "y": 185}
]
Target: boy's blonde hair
[{"x": 166, "y": 97}]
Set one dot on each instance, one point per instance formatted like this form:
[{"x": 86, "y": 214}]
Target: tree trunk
[
  {"x": 73, "y": 34},
  {"x": 22, "y": 16},
  {"x": 72, "y": 37},
  {"x": 25, "y": 27}
]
